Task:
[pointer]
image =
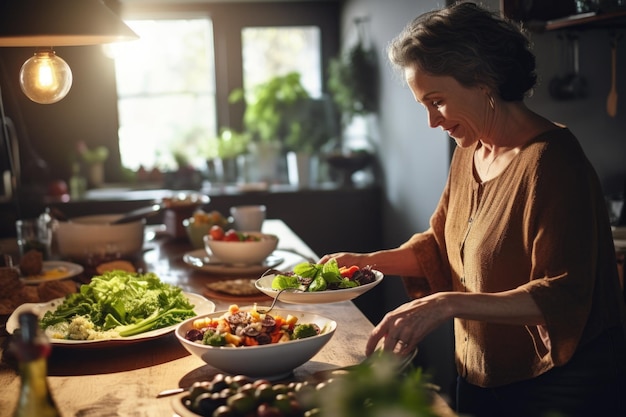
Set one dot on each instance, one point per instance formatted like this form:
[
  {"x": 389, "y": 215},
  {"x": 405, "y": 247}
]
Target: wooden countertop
[{"x": 124, "y": 380}]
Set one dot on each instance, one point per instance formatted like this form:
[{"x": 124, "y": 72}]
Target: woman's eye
[{"x": 436, "y": 103}]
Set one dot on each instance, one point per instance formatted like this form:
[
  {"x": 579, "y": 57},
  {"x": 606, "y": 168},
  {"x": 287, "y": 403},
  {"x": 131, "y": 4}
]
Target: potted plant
[
  {"x": 353, "y": 84},
  {"x": 94, "y": 160},
  {"x": 280, "y": 116},
  {"x": 271, "y": 106},
  {"x": 224, "y": 153}
]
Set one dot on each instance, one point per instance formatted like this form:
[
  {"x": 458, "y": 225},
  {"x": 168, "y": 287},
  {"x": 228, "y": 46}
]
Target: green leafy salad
[
  {"x": 321, "y": 277},
  {"x": 117, "y": 304}
]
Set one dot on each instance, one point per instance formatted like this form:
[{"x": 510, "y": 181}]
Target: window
[
  {"x": 166, "y": 93},
  {"x": 272, "y": 51}
]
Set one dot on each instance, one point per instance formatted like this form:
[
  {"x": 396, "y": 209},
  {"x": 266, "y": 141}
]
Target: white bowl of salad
[
  {"x": 310, "y": 283},
  {"x": 243, "y": 341}
]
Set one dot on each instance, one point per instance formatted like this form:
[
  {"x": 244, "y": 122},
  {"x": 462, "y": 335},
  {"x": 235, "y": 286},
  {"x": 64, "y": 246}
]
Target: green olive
[
  {"x": 314, "y": 412},
  {"x": 261, "y": 382},
  {"x": 284, "y": 404},
  {"x": 248, "y": 388},
  {"x": 223, "y": 411},
  {"x": 204, "y": 404},
  {"x": 239, "y": 381},
  {"x": 280, "y": 389},
  {"x": 219, "y": 382},
  {"x": 198, "y": 388},
  {"x": 241, "y": 403},
  {"x": 264, "y": 393}
]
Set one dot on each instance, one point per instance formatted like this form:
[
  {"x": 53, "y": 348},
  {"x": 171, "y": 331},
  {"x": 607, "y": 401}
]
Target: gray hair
[{"x": 472, "y": 45}]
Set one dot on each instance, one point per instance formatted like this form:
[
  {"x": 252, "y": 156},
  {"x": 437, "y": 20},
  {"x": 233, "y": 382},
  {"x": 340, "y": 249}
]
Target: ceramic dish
[
  {"x": 53, "y": 271},
  {"x": 202, "y": 261},
  {"x": 264, "y": 284},
  {"x": 202, "y": 306},
  {"x": 272, "y": 361},
  {"x": 253, "y": 250}
]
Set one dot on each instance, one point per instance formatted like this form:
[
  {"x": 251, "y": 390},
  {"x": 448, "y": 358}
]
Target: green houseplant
[
  {"x": 281, "y": 114},
  {"x": 222, "y": 153},
  {"x": 353, "y": 82},
  {"x": 281, "y": 110}
]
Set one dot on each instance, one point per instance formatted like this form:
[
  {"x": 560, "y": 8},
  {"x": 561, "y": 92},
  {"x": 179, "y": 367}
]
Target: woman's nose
[{"x": 434, "y": 118}]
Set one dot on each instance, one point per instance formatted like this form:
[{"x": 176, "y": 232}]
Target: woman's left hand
[{"x": 403, "y": 328}]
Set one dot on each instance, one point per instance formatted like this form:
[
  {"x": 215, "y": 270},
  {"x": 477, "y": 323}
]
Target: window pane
[
  {"x": 272, "y": 51},
  {"x": 166, "y": 90}
]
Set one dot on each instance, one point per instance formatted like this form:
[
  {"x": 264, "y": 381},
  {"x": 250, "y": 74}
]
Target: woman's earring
[{"x": 492, "y": 101}]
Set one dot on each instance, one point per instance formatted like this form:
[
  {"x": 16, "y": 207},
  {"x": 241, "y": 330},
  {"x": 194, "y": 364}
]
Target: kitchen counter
[{"x": 125, "y": 380}]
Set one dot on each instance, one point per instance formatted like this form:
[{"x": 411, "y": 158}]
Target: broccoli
[
  {"x": 304, "y": 330},
  {"x": 213, "y": 338}
]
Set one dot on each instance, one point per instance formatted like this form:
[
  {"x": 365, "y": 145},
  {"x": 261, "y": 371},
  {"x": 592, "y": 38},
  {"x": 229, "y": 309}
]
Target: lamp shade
[{"x": 60, "y": 23}]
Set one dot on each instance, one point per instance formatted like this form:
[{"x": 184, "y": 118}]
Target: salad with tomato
[
  {"x": 308, "y": 276},
  {"x": 217, "y": 232}
]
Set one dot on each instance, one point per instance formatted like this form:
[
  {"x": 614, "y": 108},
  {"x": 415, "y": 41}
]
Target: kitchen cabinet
[
  {"x": 584, "y": 21},
  {"x": 540, "y": 16}
]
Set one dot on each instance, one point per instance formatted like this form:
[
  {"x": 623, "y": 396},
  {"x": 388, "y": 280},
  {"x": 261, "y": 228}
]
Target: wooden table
[{"x": 124, "y": 380}]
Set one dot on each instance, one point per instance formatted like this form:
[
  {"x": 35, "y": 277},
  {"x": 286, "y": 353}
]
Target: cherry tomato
[
  {"x": 216, "y": 232},
  {"x": 231, "y": 236},
  {"x": 348, "y": 271}
]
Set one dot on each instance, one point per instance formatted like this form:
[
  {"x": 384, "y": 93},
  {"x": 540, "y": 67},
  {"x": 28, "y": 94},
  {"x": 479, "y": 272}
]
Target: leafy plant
[
  {"x": 353, "y": 82},
  {"x": 92, "y": 156},
  {"x": 281, "y": 110},
  {"x": 231, "y": 143},
  {"x": 375, "y": 389}
]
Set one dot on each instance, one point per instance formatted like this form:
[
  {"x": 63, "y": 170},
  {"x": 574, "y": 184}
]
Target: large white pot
[{"x": 93, "y": 237}]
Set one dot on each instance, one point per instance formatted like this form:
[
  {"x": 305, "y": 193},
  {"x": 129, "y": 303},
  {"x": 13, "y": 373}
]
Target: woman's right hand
[{"x": 347, "y": 259}]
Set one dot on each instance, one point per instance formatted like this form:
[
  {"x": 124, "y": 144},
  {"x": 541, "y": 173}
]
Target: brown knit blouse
[{"x": 540, "y": 225}]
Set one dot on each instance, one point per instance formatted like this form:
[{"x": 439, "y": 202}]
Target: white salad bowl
[
  {"x": 264, "y": 284},
  {"x": 249, "y": 252},
  {"x": 272, "y": 361}
]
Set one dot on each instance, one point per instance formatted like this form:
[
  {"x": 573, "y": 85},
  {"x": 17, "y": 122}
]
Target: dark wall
[
  {"x": 602, "y": 137},
  {"x": 87, "y": 113}
]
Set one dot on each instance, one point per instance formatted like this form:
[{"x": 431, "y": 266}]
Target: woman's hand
[
  {"x": 404, "y": 328},
  {"x": 346, "y": 259},
  {"x": 399, "y": 261}
]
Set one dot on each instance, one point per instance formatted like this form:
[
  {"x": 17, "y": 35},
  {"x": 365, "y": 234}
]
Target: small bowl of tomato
[
  {"x": 239, "y": 248},
  {"x": 200, "y": 224}
]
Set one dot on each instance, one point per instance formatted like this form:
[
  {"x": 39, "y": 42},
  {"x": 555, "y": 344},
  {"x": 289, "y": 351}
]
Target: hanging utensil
[
  {"x": 611, "y": 101},
  {"x": 573, "y": 85}
]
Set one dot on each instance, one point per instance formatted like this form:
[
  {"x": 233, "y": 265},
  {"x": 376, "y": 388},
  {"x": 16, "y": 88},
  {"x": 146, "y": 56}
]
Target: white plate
[
  {"x": 201, "y": 306},
  {"x": 53, "y": 271},
  {"x": 202, "y": 261},
  {"x": 264, "y": 284}
]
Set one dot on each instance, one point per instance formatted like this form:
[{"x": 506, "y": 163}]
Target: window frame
[{"x": 229, "y": 20}]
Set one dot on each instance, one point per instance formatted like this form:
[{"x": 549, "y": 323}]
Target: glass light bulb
[{"x": 45, "y": 78}]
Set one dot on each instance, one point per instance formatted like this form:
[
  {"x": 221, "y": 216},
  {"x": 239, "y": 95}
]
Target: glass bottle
[{"x": 32, "y": 348}]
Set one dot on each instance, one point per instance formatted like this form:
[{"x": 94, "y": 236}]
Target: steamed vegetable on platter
[
  {"x": 238, "y": 328},
  {"x": 117, "y": 304},
  {"x": 321, "y": 277}
]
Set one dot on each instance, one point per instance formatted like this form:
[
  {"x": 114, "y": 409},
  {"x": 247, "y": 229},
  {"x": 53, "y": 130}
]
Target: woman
[{"x": 519, "y": 250}]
